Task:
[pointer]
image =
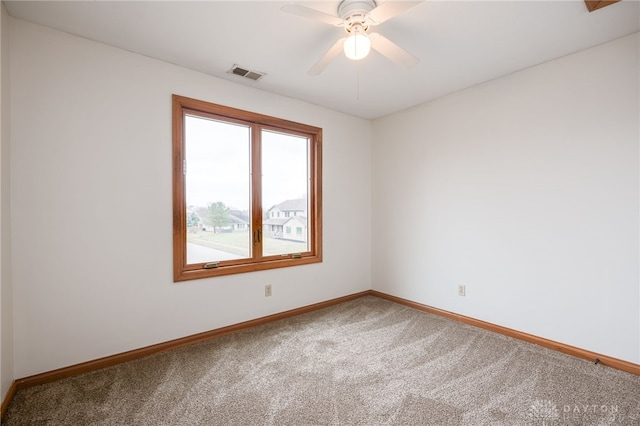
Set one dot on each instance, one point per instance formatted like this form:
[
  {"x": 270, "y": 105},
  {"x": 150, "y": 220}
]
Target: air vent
[{"x": 251, "y": 75}]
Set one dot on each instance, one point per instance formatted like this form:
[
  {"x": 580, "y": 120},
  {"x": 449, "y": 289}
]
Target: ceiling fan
[{"x": 356, "y": 17}]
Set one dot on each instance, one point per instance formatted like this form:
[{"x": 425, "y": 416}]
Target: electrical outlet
[
  {"x": 461, "y": 290},
  {"x": 267, "y": 290}
]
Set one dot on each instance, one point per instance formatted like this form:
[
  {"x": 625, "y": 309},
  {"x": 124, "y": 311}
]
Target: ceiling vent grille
[{"x": 242, "y": 72}]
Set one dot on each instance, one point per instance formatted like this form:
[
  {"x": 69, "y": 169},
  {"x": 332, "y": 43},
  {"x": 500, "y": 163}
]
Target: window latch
[{"x": 211, "y": 265}]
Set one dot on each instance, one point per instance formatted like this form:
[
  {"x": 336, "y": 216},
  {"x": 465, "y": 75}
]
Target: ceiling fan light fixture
[
  {"x": 355, "y": 17},
  {"x": 357, "y": 45}
]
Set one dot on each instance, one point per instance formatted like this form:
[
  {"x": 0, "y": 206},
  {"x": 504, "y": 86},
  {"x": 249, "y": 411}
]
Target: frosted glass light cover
[{"x": 357, "y": 46}]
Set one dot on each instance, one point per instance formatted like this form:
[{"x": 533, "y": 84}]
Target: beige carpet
[{"x": 364, "y": 362}]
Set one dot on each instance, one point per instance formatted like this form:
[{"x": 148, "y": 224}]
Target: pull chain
[{"x": 357, "y": 81}]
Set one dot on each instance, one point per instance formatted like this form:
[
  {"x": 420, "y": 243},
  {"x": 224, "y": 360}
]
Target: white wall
[
  {"x": 525, "y": 189},
  {"x": 6, "y": 307},
  {"x": 91, "y": 200}
]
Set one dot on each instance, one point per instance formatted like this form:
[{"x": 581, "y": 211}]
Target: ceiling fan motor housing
[{"x": 355, "y": 11}]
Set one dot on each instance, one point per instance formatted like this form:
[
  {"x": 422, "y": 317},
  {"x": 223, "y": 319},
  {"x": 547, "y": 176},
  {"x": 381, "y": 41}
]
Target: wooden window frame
[{"x": 181, "y": 106}]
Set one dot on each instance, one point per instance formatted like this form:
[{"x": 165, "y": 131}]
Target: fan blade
[
  {"x": 392, "y": 51},
  {"x": 388, "y": 10},
  {"x": 335, "y": 50},
  {"x": 307, "y": 12}
]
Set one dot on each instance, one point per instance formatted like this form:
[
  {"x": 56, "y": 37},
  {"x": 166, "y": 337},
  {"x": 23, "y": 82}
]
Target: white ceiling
[{"x": 459, "y": 43}]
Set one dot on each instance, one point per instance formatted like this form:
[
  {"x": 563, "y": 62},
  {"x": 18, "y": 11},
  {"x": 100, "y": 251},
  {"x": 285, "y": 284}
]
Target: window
[{"x": 233, "y": 173}]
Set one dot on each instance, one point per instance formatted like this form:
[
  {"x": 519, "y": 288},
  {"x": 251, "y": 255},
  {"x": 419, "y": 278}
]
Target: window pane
[
  {"x": 221, "y": 157},
  {"x": 285, "y": 193},
  {"x": 217, "y": 186}
]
